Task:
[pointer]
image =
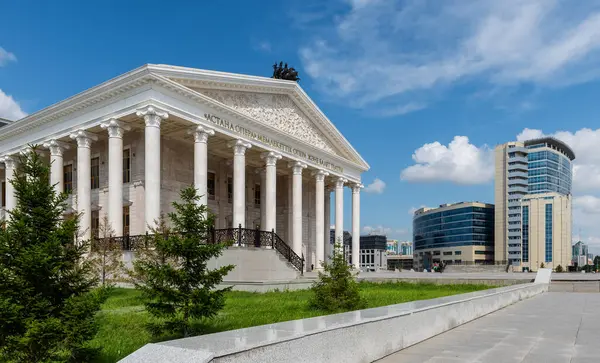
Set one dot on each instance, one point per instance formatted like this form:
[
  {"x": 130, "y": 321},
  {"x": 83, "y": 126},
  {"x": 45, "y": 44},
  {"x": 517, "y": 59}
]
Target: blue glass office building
[{"x": 454, "y": 233}]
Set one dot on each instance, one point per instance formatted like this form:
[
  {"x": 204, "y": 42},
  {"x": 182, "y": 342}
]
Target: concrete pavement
[{"x": 552, "y": 327}]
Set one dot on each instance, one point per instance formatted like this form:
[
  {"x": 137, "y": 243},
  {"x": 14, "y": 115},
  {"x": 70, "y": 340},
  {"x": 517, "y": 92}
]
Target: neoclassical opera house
[{"x": 259, "y": 150}]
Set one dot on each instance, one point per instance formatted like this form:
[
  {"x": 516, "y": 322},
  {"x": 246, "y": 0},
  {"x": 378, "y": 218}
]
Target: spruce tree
[
  {"x": 47, "y": 305},
  {"x": 178, "y": 287},
  {"x": 336, "y": 289}
]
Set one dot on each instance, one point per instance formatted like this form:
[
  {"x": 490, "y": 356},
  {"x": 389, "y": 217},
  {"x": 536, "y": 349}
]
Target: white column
[
  {"x": 356, "y": 225},
  {"x": 297, "y": 167},
  {"x": 263, "y": 198},
  {"x": 271, "y": 188},
  {"x": 115, "y": 173},
  {"x": 201, "y": 135},
  {"x": 57, "y": 177},
  {"x": 239, "y": 181},
  {"x": 327, "y": 226},
  {"x": 10, "y": 164},
  {"x": 320, "y": 238},
  {"x": 152, "y": 169},
  {"x": 84, "y": 182},
  {"x": 339, "y": 210}
]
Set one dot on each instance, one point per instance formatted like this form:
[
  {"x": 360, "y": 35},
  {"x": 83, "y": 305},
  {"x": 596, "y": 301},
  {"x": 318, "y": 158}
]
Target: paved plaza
[{"x": 549, "y": 328}]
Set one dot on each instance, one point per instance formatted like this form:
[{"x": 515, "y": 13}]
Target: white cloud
[
  {"x": 264, "y": 46},
  {"x": 387, "y": 231},
  {"x": 587, "y": 203},
  {"x": 586, "y": 145},
  {"x": 376, "y": 187},
  {"x": 460, "y": 162},
  {"x": 6, "y": 56},
  {"x": 402, "y": 109},
  {"x": 9, "y": 108},
  {"x": 381, "y": 50}
]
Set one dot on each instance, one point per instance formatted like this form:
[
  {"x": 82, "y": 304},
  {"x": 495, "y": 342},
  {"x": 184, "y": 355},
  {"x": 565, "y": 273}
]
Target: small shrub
[
  {"x": 559, "y": 268},
  {"x": 542, "y": 265},
  {"x": 336, "y": 289}
]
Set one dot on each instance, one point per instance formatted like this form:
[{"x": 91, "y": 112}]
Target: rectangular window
[
  {"x": 126, "y": 221},
  {"x": 210, "y": 185},
  {"x": 257, "y": 195},
  {"x": 458, "y": 253},
  {"x": 449, "y": 253},
  {"x": 95, "y": 172},
  {"x": 95, "y": 223},
  {"x": 68, "y": 178},
  {"x": 548, "y": 232},
  {"x": 126, "y": 166},
  {"x": 525, "y": 234},
  {"x": 230, "y": 189}
]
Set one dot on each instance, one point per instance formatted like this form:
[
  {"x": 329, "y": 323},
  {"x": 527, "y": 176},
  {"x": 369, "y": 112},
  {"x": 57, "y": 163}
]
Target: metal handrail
[{"x": 239, "y": 236}]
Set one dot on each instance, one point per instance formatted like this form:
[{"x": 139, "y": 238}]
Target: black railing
[{"x": 244, "y": 237}]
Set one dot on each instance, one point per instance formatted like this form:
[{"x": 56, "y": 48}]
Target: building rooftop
[
  {"x": 452, "y": 206},
  {"x": 559, "y": 145}
]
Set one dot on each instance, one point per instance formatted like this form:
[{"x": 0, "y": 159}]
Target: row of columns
[{"x": 153, "y": 119}]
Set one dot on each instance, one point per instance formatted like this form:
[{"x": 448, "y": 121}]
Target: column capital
[
  {"x": 297, "y": 167},
  {"x": 320, "y": 175},
  {"x": 356, "y": 188},
  {"x": 239, "y": 146},
  {"x": 9, "y": 161},
  {"x": 115, "y": 127},
  {"x": 339, "y": 182},
  {"x": 270, "y": 157},
  {"x": 152, "y": 116},
  {"x": 56, "y": 147},
  {"x": 84, "y": 138},
  {"x": 201, "y": 133}
]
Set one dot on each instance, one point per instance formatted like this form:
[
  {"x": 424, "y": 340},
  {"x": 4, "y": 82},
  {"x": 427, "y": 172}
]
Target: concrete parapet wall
[{"x": 354, "y": 337}]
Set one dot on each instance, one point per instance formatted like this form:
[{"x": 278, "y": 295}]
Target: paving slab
[{"x": 552, "y": 327}]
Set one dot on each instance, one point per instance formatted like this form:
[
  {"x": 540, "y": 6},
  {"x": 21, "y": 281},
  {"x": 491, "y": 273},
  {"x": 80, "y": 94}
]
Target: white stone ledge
[{"x": 353, "y": 337}]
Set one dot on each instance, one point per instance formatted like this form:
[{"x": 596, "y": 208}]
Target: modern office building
[
  {"x": 406, "y": 248},
  {"x": 392, "y": 247},
  {"x": 260, "y": 152},
  {"x": 539, "y": 166},
  {"x": 373, "y": 252},
  {"x": 460, "y": 233},
  {"x": 580, "y": 254},
  {"x": 546, "y": 231}
]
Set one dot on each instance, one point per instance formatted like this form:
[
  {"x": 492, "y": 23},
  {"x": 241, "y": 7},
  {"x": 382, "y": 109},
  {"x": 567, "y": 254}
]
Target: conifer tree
[
  {"x": 47, "y": 305},
  {"x": 336, "y": 289},
  {"x": 174, "y": 279}
]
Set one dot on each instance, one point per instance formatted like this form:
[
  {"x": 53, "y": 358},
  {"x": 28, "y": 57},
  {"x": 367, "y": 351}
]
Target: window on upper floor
[
  {"x": 68, "y": 178},
  {"x": 126, "y": 166},
  {"x": 210, "y": 185},
  {"x": 230, "y": 189},
  {"x": 95, "y": 172}
]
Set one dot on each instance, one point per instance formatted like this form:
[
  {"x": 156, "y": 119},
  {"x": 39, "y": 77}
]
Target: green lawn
[{"x": 123, "y": 317}]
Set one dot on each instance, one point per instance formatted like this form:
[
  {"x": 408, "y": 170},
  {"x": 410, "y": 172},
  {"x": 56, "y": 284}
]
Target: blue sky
[{"x": 422, "y": 89}]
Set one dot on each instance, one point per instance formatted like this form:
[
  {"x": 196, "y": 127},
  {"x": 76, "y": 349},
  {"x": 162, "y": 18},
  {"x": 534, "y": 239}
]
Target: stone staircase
[
  {"x": 255, "y": 264},
  {"x": 474, "y": 268}
]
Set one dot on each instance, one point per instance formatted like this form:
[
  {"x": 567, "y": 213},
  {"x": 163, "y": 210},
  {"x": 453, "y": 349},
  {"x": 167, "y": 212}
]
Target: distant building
[
  {"x": 546, "y": 231},
  {"x": 460, "y": 233},
  {"x": 373, "y": 252},
  {"x": 392, "y": 247},
  {"x": 406, "y": 248},
  {"x": 347, "y": 244},
  {"x": 579, "y": 253},
  {"x": 532, "y": 167}
]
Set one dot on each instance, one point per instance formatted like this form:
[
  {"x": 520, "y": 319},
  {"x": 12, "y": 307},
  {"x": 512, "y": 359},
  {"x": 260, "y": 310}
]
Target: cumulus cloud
[
  {"x": 376, "y": 187},
  {"x": 6, "y": 56},
  {"x": 9, "y": 108},
  {"x": 397, "y": 49},
  {"x": 460, "y": 162},
  {"x": 387, "y": 231}
]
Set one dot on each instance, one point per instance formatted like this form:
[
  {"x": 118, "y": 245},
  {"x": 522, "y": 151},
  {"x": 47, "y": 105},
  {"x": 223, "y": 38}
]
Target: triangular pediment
[{"x": 275, "y": 110}]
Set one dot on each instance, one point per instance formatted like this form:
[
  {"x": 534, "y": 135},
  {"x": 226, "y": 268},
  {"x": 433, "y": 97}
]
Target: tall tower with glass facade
[{"x": 531, "y": 176}]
